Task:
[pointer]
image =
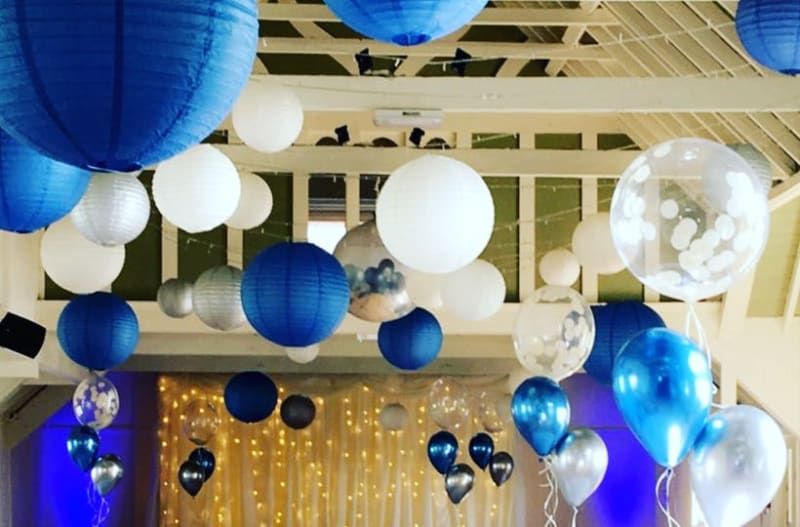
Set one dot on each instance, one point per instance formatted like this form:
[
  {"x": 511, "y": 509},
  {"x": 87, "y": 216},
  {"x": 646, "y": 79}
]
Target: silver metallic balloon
[
  {"x": 458, "y": 482},
  {"x": 501, "y": 467},
  {"x": 449, "y": 404},
  {"x": 737, "y": 465},
  {"x": 113, "y": 211},
  {"x": 579, "y": 464},
  {"x": 217, "y": 298},
  {"x": 95, "y": 402},
  {"x": 106, "y": 473},
  {"x": 175, "y": 298},
  {"x": 393, "y": 417}
]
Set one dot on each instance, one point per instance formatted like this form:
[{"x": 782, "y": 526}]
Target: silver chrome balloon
[
  {"x": 217, "y": 298},
  {"x": 458, "y": 481},
  {"x": 579, "y": 464},
  {"x": 175, "y": 298},
  {"x": 106, "y": 473},
  {"x": 501, "y": 467}
]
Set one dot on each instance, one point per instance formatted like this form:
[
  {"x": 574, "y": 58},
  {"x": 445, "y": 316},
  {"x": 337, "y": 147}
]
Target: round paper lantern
[
  {"x": 255, "y": 203},
  {"x": 411, "y": 342},
  {"x": 175, "y": 298},
  {"x": 475, "y": 292},
  {"x": 268, "y": 116},
  {"x": 35, "y": 190},
  {"x": 251, "y": 396},
  {"x": 393, "y": 417},
  {"x": 435, "y": 214},
  {"x": 113, "y": 211},
  {"x": 197, "y": 190},
  {"x": 768, "y": 31},
  {"x": 98, "y": 331},
  {"x": 593, "y": 245},
  {"x": 295, "y": 294},
  {"x": 408, "y": 24},
  {"x": 758, "y": 162},
  {"x": 559, "y": 267},
  {"x": 303, "y": 355},
  {"x": 216, "y": 297},
  {"x": 75, "y": 263},
  {"x": 120, "y": 86},
  {"x": 615, "y": 324},
  {"x": 425, "y": 290}
]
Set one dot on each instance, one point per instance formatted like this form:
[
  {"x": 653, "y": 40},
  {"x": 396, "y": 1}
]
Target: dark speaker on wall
[{"x": 21, "y": 335}]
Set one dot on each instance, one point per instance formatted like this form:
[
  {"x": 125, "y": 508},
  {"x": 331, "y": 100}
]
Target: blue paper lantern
[
  {"x": 117, "y": 86},
  {"x": 35, "y": 191},
  {"x": 768, "y": 30},
  {"x": 98, "y": 331},
  {"x": 295, "y": 294},
  {"x": 251, "y": 396},
  {"x": 406, "y": 22},
  {"x": 411, "y": 342},
  {"x": 615, "y": 324}
]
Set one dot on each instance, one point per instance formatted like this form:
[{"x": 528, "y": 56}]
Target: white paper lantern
[
  {"x": 303, "y": 355},
  {"x": 217, "y": 299},
  {"x": 268, "y": 116},
  {"x": 424, "y": 289},
  {"x": 198, "y": 189},
  {"x": 113, "y": 211},
  {"x": 593, "y": 245},
  {"x": 435, "y": 214},
  {"x": 75, "y": 263},
  {"x": 559, "y": 267},
  {"x": 255, "y": 203},
  {"x": 475, "y": 292}
]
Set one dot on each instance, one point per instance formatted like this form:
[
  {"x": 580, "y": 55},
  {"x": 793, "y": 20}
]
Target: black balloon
[
  {"x": 204, "y": 458},
  {"x": 298, "y": 411},
  {"x": 191, "y": 475},
  {"x": 458, "y": 482},
  {"x": 500, "y": 467}
]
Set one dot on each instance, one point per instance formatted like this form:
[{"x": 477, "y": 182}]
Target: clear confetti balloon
[
  {"x": 689, "y": 218},
  {"x": 494, "y": 411},
  {"x": 200, "y": 421},
  {"x": 449, "y": 404},
  {"x": 95, "y": 402},
  {"x": 554, "y": 332}
]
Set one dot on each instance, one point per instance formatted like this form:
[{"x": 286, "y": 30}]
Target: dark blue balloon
[
  {"x": 205, "y": 458},
  {"x": 541, "y": 413},
  {"x": 98, "y": 331},
  {"x": 481, "y": 449},
  {"x": 35, "y": 190},
  {"x": 295, "y": 294},
  {"x": 122, "y": 85},
  {"x": 411, "y": 342},
  {"x": 768, "y": 31},
  {"x": 442, "y": 450},
  {"x": 83, "y": 444},
  {"x": 614, "y": 325},
  {"x": 663, "y": 388},
  {"x": 251, "y": 396}
]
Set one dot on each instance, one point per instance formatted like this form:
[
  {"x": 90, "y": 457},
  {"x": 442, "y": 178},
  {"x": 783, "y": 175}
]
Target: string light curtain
[{"x": 344, "y": 470}]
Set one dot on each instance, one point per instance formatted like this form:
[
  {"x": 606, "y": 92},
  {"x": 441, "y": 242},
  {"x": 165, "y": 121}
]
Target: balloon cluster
[{"x": 200, "y": 424}]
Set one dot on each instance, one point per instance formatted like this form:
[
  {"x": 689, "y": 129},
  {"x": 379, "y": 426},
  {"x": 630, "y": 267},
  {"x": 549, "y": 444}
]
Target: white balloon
[
  {"x": 255, "y": 203},
  {"x": 198, "y": 189},
  {"x": 113, "y": 211},
  {"x": 593, "y": 245},
  {"x": 559, "y": 267},
  {"x": 424, "y": 289},
  {"x": 75, "y": 263},
  {"x": 393, "y": 417},
  {"x": 475, "y": 292},
  {"x": 303, "y": 355},
  {"x": 435, "y": 214},
  {"x": 217, "y": 300},
  {"x": 268, "y": 116}
]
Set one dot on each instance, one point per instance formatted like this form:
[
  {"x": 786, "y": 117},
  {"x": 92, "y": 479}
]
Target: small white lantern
[
  {"x": 559, "y": 267},
  {"x": 113, "y": 211},
  {"x": 217, "y": 298},
  {"x": 255, "y": 203},
  {"x": 424, "y": 290},
  {"x": 198, "y": 189},
  {"x": 475, "y": 292},
  {"x": 268, "y": 116},
  {"x": 593, "y": 245},
  {"x": 303, "y": 355}
]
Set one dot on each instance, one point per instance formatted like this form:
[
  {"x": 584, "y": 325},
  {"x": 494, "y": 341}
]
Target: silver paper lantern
[
  {"x": 217, "y": 298},
  {"x": 113, "y": 211},
  {"x": 175, "y": 298},
  {"x": 758, "y": 162}
]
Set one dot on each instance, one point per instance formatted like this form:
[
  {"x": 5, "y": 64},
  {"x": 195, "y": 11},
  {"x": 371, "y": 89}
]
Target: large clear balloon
[
  {"x": 554, "y": 332},
  {"x": 579, "y": 464},
  {"x": 200, "y": 421},
  {"x": 689, "y": 218},
  {"x": 95, "y": 402},
  {"x": 377, "y": 280},
  {"x": 449, "y": 404},
  {"x": 737, "y": 465},
  {"x": 494, "y": 411}
]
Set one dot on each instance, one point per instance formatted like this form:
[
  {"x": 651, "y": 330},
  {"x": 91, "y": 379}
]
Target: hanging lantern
[
  {"x": 117, "y": 86},
  {"x": 268, "y": 117},
  {"x": 768, "y": 31},
  {"x": 475, "y": 292},
  {"x": 255, "y": 203},
  {"x": 113, "y": 211},
  {"x": 36, "y": 191},
  {"x": 593, "y": 245},
  {"x": 175, "y": 298},
  {"x": 217, "y": 299},
  {"x": 408, "y": 24},
  {"x": 559, "y": 267},
  {"x": 411, "y": 342},
  {"x": 251, "y": 396}
]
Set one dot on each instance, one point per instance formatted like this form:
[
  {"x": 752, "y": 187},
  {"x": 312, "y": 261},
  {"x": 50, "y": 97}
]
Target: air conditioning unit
[{"x": 408, "y": 118}]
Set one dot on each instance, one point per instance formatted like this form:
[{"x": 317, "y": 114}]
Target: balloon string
[
  {"x": 99, "y": 506},
  {"x": 666, "y": 476},
  {"x": 552, "y": 496},
  {"x": 574, "y": 516},
  {"x": 693, "y": 325}
]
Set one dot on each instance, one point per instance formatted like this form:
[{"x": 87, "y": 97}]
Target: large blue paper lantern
[
  {"x": 411, "y": 342},
  {"x": 769, "y": 30},
  {"x": 615, "y": 324},
  {"x": 295, "y": 294},
  {"x": 98, "y": 331},
  {"x": 117, "y": 86},
  {"x": 406, "y": 22},
  {"x": 251, "y": 396},
  {"x": 35, "y": 190}
]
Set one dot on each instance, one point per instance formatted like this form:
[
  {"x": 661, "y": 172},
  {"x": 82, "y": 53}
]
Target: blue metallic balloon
[
  {"x": 481, "y": 449},
  {"x": 205, "y": 458},
  {"x": 82, "y": 445},
  {"x": 541, "y": 413},
  {"x": 442, "y": 450},
  {"x": 663, "y": 388}
]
